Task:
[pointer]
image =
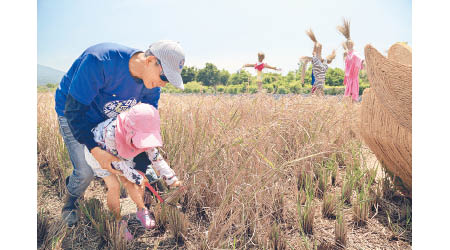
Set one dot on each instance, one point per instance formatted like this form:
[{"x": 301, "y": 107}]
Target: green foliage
[
  {"x": 282, "y": 90},
  {"x": 209, "y": 75},
  {"x": 240, "y": 77},
  {"x": 308, "y": 78},
  {"x": 334, "y": 77},
  {"x": 189, "y": 74},
  {"x": 270, "y": 78},
  {"x": 194, "y": 87},
  {"x": 169, "y": 88},
  {"x": 363, "y": 77},
  {"x": 340, "y": 90},
  {"x": 295, "y": 87},
  {"x": 234, "y": 89},
  {"x": 223, "y": 77},
  {"x": 290, "y": 76},
  {"x": 49, "y": 87},
  {"x": 362, "y": 87}
]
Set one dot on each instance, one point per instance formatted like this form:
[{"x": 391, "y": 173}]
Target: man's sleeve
[
  {"x": 75, "y": 113},
  {"x": 85, "y": 86}
]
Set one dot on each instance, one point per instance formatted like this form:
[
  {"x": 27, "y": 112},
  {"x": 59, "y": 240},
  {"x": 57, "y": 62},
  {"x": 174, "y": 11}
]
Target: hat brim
[
  {"x": 147, "y": 140},
  {"x": 174, "y": 77}
]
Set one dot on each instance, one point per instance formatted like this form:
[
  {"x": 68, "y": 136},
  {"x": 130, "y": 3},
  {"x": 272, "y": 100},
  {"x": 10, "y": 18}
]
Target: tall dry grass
[
  {"x": 236, "y": 153},
  {"x": 241, "y": 158},
  {"x": 52, "y": 157}
]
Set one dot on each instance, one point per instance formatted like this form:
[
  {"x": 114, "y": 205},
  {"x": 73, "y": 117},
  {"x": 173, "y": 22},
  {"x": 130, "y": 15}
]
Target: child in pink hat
[{"x": 130, "y": 133}]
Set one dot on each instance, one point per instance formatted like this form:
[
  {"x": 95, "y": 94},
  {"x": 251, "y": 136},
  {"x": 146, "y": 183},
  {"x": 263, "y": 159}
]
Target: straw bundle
[
  {"x": 345, "y": 29},
  {"x": 391, "y": 82},
  {"x": 311, "y": 35},
  {"x": 317, "y": 46},
  {"x": 401, "y": 53},
  {"x": 344, "y": 46},
  {"x": 331, "y": 57},
  {"x": 391, "y": 143},
  {"x": 386, "y": 114}
]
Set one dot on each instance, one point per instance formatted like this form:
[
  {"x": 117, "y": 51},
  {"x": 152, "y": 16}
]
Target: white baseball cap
[{"x": 171, "y": 56}]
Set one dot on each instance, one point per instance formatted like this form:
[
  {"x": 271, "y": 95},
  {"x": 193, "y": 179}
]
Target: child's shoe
[
  {"x": 146, "y": 218},
  {"x": 128, "y": 236}
]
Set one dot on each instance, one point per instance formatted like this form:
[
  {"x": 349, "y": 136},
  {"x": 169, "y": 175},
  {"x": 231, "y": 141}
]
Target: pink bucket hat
[{"x": 137, "y": 130}]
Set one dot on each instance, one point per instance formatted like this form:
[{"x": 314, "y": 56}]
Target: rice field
[{"x": 260, "y": 173}]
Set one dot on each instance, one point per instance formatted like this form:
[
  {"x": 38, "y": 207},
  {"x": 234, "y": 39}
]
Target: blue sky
[{"x": 225, "y": 33}]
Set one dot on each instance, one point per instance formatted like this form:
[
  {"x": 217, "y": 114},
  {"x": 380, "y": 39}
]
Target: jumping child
[
  {"x": 259, "y": 66},
  {"x": 128, "y": 134}
]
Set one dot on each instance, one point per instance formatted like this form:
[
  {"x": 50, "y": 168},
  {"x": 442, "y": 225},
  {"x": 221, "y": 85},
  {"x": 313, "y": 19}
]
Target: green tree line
[
  {"x": 212, "y": 80},
  {"x": 210, "y": 75}
]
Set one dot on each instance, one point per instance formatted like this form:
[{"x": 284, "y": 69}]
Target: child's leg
[
  {"x": 113, "y": 195},
  {"x": 135, "y": 191}
]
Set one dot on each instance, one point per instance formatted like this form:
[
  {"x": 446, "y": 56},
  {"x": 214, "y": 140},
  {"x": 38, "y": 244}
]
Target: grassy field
[{"x": 260, "y": 172}]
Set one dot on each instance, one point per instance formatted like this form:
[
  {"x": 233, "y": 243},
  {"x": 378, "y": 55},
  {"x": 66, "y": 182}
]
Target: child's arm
[
  {"x": 271, "y": 67},
  {"x": 248, "y": 65},
  {"x": 162, "y": 168},
  {"x": 306, "y": 59}
]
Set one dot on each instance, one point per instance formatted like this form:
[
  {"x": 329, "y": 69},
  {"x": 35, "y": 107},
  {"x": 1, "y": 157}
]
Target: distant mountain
[{"x": 48, "y": 75}]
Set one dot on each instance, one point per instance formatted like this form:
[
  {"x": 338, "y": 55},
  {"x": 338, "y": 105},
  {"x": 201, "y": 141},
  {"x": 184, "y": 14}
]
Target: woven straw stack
[
  {"x": 386, "y": 110},
  {"x": 401, "y": 53}
]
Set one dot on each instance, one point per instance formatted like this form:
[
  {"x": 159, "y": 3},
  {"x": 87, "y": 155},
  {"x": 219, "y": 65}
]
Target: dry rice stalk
[
  {"x": 277, "y": 206},
  {"x": 306, "y": 216},
  {"x": 340, "y": 231},
  {"x": 43, "y": 224},
  {"x": 55, "y": 236},
  {"x": 115, "y": 237},
  {"x": 177, "y": 223},
  {"x": 345, "y": 28},
  {"x": 322, "y": 182},
  {"x": 347, "y": 191},
  {"x": 276, "y": 239},
  {"x": 161, "y": 216},
  {"x": 328, "y": 206},
  {"x": 361, "y": 208}
]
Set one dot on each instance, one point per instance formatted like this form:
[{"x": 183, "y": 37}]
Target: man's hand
[{"x": 105, "y": 159}]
